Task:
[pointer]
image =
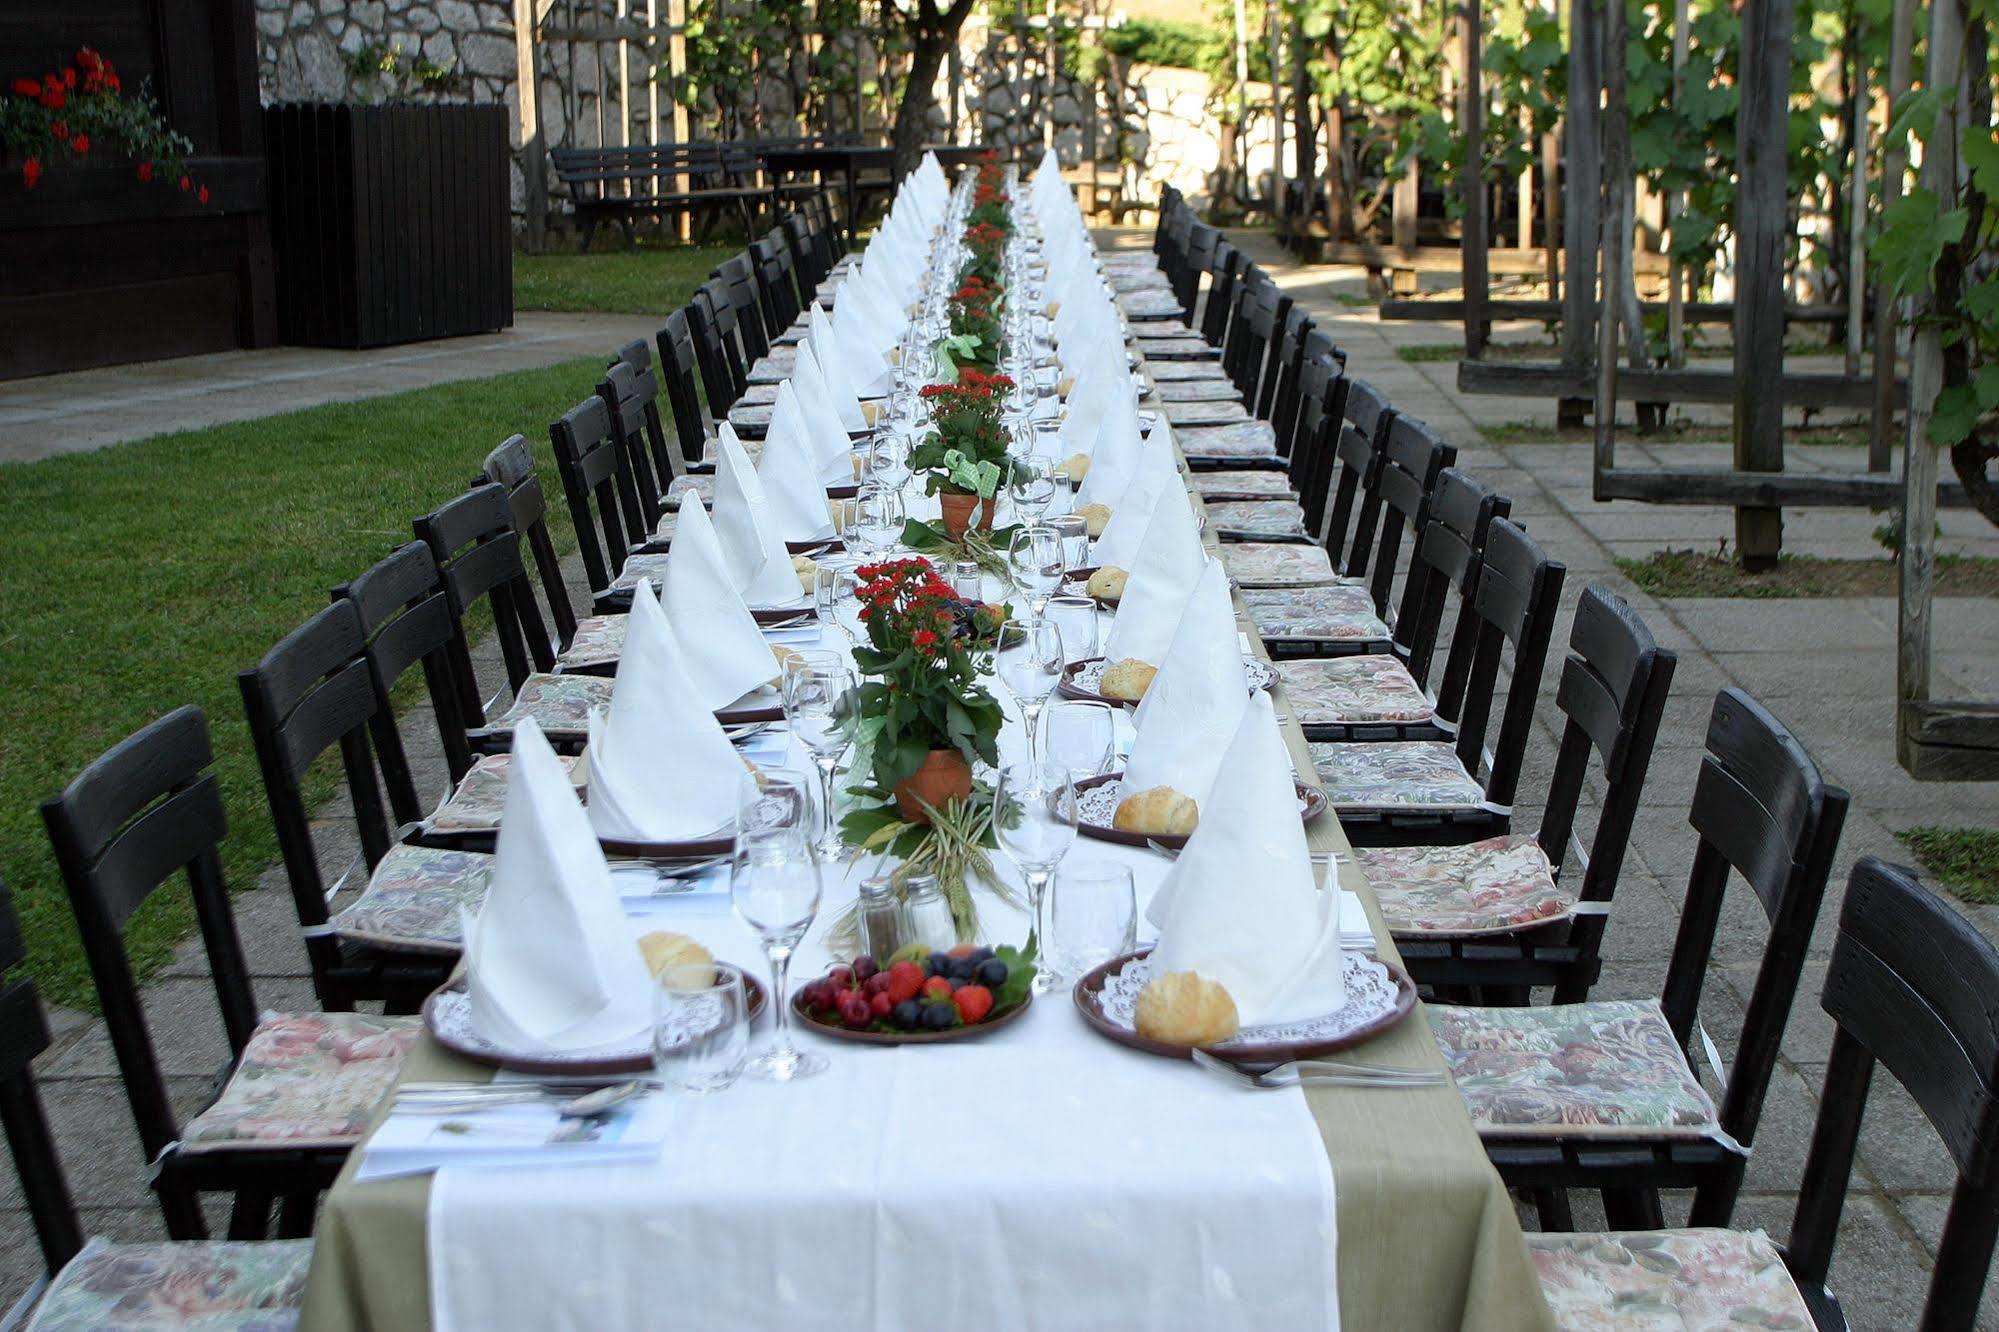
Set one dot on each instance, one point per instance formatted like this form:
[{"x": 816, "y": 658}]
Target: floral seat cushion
[
  {"x": 560, "y": 704},
  {"x": 1392, "y": 775},
  {"x": 205, "y": 1286},
  {"x": 1126, "y": 261},
  {"x": 1244, "y": 485},
  {"x": 475, "y": 806},
  {"x": 1667, "y": 1280},
  {"x": 1151, "y": 303},
  {"x": 1342, "y": 612},
  {"x": 1333, "y": 691},
  {"x": 305, "y": 1080},
  {"x": 649, "y": 566},
  {"x": 1254, "y": 564},
  {"x": 1271, "y": 518},
  {"x": 774, "y": 367},
  {"x": 1231, "y": 412},
  {"x": 1188, "y": 346},
  {"x": 1137, "y": 279},
  {"x": 413, "y": 899},
  {"x": 1180, "y": 372},
  {"x": 1496, "y": 886},
  {"x": 599, "y": 640},
  {"x": 1242, "y": 439},
  {"x": 701, "y": 484},
  {"x": 759, "y": 393},
  {"x": 1606, "y": 1068},
  {"x": 1198, "y": 390},
  {"x": 751, "y": 416}
]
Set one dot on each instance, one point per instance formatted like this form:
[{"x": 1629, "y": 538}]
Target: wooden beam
[
  {"x": 1581, "y": 182},
  {"x": 1894, "y": 162},
  {"x": 1762, "y": 137},
  {"x": 1856, "y": 201},
  {"x": 527, "y": 110},
  {"x": 1614, "y": 234},
  {"x": 1951, "y": 742},
  {"x": 1505, "y": 261},
  {"x": 1676, "y": 331},
  {"x": 1444, "y": 310},
  {"x": 1658, "y": 384},
  {"x": 1471, "y": 179},
  {"x": 1789, "y": 490}
]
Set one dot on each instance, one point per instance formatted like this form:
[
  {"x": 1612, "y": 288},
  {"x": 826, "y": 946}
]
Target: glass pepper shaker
[
  {"x": 883, "y": 928},
  {"x": 928, "y": 914}
]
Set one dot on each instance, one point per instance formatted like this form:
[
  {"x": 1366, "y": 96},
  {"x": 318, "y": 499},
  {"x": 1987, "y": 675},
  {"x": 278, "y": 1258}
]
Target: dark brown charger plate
[
  {"x": 839, "y": 1033},
  {"x": 1091, "y": 984},
  {"x": 739, "y": 716},
  {"x": 691, "y": 849},
  {"x": 779, "y": 614},
  {"x": 819, "y": 547},
  {"x": 1314, "y": 798},
  {"x": 1068, "y": 688},
  {"x": 754, "y": 995}
]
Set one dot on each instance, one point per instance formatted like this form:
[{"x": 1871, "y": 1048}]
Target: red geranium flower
[
  {"x": 52, "y": 98},
  {"x": 27, "y": 88},
  {"x": 80, "y": 144},
  {"x": 145, "y": 171},
  {"x": 202, "y": 194},
  {"x": 31, "y": 171},
  {"x": 186, "y": 184},
  {"x": 59, "y": 128}
]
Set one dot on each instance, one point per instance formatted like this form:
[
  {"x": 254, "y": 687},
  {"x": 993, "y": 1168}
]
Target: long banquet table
[{"x": 1427, "y": 1236}]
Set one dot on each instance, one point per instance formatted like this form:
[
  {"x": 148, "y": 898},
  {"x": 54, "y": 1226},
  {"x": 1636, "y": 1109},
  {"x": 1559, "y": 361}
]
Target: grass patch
[
  {"x": 1691, "y": 573},
  {"x": 651, "y": 280},
  {"x": 1494, "y": 351},
  {"x": 1964, "y": 860},
  {"x": 141, "y": 577},
  {"x": 1679, "y": 430}
]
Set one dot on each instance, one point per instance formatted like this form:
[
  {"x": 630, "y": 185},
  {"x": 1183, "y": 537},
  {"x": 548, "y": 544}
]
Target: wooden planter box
[{"x": 390, "y": 223}]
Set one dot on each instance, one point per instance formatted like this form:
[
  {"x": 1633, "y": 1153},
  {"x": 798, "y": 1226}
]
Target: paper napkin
[
  {"x": 1169, "y": 562},
  {"x": 832, "y": 450},
  {"x": 726, "y": 655},
  {"x": 1155, "y": 482},
  {"x": 1114, "y": 458},
  {"x": 853, "y": 368}
]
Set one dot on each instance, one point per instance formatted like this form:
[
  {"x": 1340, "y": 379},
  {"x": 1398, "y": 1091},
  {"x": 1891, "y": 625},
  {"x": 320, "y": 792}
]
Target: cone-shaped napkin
[
  {"x": 863, "y": 322},
  {"x": 1170, "y": 561},
  {"x": 1114, "y": 456},
  {"x": 759, "y": 565},
  {"x": 831, "y": 448},
  {"x": 1157, "y": 482},
  {"x": 853, "y": 369},
  {"x": 1190, "y": 711},
  {"x": 550, "y": 963},
  {"x": 726, "y": 654},
  {"x": 789, "y": 471},
  {"x": 661, "y": 769},
  {"x": 1239, "y": 906}
]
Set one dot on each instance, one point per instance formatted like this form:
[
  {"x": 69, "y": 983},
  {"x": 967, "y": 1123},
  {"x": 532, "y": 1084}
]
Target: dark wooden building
[{"x": 97, "y": 267}]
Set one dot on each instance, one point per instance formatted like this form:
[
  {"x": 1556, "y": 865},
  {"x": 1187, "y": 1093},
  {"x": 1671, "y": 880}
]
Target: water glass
[
  {"x": 1076, "y": 620},
  {"x": 1034, "y": 557},
  {"x": 818, "y": 688},
  {"x": 826, "y": 592},
  {"x": 772, "y": 805},
  {"x": 1029, "y": 658},
  {"x": 1075, "y": 534},
  {"x": 700, "y": 1026},
  {"x": 1031, "y": 487},
  {"x": 879, "y": 517},
  {"x": 1034, "y": 820},
  {"x": 1080, "y": 736},
  {"x": 774, "y": 885},
  {"x": 1093, "y": 917}
]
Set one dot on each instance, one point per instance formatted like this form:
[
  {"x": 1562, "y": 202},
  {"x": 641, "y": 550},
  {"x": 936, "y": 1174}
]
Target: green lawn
[
  {"x": 1964, "y": 860},
  {"x": 142, "y": 577},
  {"x": 652, "y": 280},
  {"x": 1692, "y": 573}
]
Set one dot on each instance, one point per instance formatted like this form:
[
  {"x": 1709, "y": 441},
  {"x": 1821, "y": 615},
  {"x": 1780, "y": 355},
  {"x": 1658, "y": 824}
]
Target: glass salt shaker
[
  {"x": 928, "y": 914},
  {"x": 966, "y": 580},
  {"x": 883, "y": 928}
]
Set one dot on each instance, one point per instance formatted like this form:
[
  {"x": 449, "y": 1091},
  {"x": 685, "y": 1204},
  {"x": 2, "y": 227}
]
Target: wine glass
[
  {"x": 1034, "y": 558},
  {"x": 774, "y": 885},
  {"x": 889, "y": 462},
  {"x": 1080, "y": 736},
  {"x": 1034, "y": 818},
  {"x": 1076, "y": 619},
  {"x": 879, "y": 518},
  {"x": 1092, "y": 917},
  {"x": 1031, "y": 487},
  {"x": 818, "y": 688},
  {"x": 1075, "y": 534},
  {"x": 1029, "y": 656}
]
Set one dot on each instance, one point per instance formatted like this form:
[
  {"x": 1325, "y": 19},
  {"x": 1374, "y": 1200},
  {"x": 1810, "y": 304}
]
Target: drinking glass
[
  {"x": 826, "y": 594},
  {"x": 1034, "y": 557},
  {"x": 1034, "y": 818},
  {"x": 1092, "y": 917},
  {"x": 1029, "y": 656},
  {"x": 1076, "y": 619},
  {"x": 879, "y": 520},
  {"x": 1075, "y": 534},
  {"x": 818, "y": 689},
  {"x": 773, "y": 803},
  {"x": 774, "y": 886},
  {"x": 1031, "y": 486},
  {"x": 847, "y": 607},
  {"x": 847, "y": 522},
  {"x": 700, "y": 1026},
  {"x": 1080, "y": 736},
  {"x": 889, "y": 462}
]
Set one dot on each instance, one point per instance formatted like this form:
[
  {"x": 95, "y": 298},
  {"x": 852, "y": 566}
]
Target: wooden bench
[{"x": 621, "y": 184}]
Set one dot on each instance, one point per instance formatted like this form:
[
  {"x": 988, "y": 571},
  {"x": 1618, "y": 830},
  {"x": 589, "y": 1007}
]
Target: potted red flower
[{"x": 964, "y": 459}]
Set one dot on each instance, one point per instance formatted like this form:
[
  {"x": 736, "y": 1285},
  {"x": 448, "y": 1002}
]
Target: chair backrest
[
  {"x": 1225, "y": 267},
  {"x": 678, "y": 362},
  {"x": 738, "y": 277},
  {"x": 642, "y": 384},
  {"x": 631, "y": 405},
  {"x": 1195, "y": 261},
  {"x": 777, "y": 288},
  {"x": 1914, "y": 987},
  {"x": 589, "y": 460},
  {"x": 1273, "y": 333},
  {"x": 1356, "y": 508},
  {"x": 406, "y": 621},
  {"x": 310, "y": 693},
  {"x": 24, "y": 1033},
  {"x": 1406, "y": 474},
  {"x": 1762, "y": 810},
  {"x": 809, "y": 262},
  {"x": 144, "y": 811},
  {"x": 478, "y": 555},
  {"x": 1445, "y": 559},
  {"x": 1316, "y": 371},
  {"x": 511, "y": 464},
  {"x": 718, "y": 347},
  {"x": 1519, "y": 594}
]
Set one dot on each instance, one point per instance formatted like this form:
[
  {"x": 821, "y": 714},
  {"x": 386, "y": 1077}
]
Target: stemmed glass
[
  {"x": 1080, "y": 736},
  {"x": 1076, "y": 617},
  {"x": 889, "y": 461},
  {"x": 1029, "y": 657},
  {"x": 818, "y": 689},
  {"x": 1031, "y": 487},
  {"x": 774, "y": 885},
  {"x": 1034, "y": 557},
  {"x": 1034, "y": 817},
  {"x": 878, "y": 517}
]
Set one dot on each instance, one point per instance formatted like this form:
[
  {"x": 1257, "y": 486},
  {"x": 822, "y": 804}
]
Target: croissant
[{"x": 1186, "y": 1008}]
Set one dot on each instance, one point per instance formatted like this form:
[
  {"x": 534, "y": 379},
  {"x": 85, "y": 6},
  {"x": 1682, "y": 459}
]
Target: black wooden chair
[
  {"x": 1403, "y": 792},
  {"x": 79, "y": 1280},
  {"x": 593, "y": 463},
  {"x": 1284, "y": 516},
  {"x": 1911, "y": 987},
  {"x": 632, "y": 380},
  {"x": 693, "y": 427},
  {"x": 587, "y": 643},
  {"x": 718, "y": 347},
  {"x": 1493, "y": 920},
  {"x": 737, "y": 277},
  {"x": 1641, "y": 1121},
  {"x": 631, "y": 403},
  {"x": 811, "y": 257},
  {"x": 300, "y": 1088},
  {"x": 777, "y": 282}
]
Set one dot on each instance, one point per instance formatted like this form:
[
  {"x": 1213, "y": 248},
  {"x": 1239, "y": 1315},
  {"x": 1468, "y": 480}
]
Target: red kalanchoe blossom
[
  {"x": 27, "y": 88},
  {"x": 186, "y": 184},
  {"x": 145, "y": 172},
  {"x": 202, "y": 194},
  {"x": 59, "y": 128},
  {"x": 31, "y": 171},
  {"x": 69, "y": 78},
  {"x": 111, "y": 82},
  {"x": 80, "y": 144},
  {"x": 52, "y": 98}
]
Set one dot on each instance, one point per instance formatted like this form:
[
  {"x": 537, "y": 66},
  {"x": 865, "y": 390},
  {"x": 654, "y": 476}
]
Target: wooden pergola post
[
  {"x": 1761, "y": 217},
  {"x": 1471, "y": 181},
  {"x": 1615, "y": 206},
  {"x": 527, "y": 97},
  {"x": 1582, "y": 172},
  {"x": 1894, "y": 162}
]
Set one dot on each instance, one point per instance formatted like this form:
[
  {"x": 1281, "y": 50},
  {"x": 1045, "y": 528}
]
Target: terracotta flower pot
[
  {"x": 944, "y": 776},
  {"x": 958, "y": 513}
]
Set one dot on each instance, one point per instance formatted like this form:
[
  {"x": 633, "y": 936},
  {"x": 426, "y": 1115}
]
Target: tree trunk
[{"x": 928, "y": 47}]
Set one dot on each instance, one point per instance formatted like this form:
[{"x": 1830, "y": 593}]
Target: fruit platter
[{"x": 920, "y": 997}]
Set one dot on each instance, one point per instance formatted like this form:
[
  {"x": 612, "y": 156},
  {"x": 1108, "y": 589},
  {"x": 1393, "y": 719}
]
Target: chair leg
[
  {"x": 250, "y": 1215},
  {"x": 180, "y": 1206},
  {"x": 1633, "y": 1209},
  {"x": 296, "y": 1213},
  {"x": 1556, "y": 1215}
]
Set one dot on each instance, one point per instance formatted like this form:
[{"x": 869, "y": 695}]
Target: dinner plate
[
  {"x": 721, "y": 843},
  {"x": 838, "y": 1032},
  {"x": 815, "y": 548},
  {"x": 769, "y": 615},
  {"x": 1378, "y": 995},
  {"x": 1080, "y": 680},
  {"x": 1100, "y": 801},
  {"x": 749, "y": 708},
  {"x": 447, "y": 1014}
]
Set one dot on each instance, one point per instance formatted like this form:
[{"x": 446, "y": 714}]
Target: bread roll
[
  {"x": 1107, "y": 583},
  {"x": 1155, "y": 810},
  {"x": 1096, "y": 517},
  {"x": 1064, "y": 386},
  {"x": 1127, "y": 679},
  {"x": 807, "y": 570},
  {"x": 780, "y": 654},
  {"x": 1076, "y": 467},
  {"x": 693, "y": 965},
  {"x": 1186, "y": 1008}
]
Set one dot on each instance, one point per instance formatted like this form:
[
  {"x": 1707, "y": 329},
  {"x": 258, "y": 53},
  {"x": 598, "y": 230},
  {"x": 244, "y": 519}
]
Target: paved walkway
[{"x": 89, "y": 409}]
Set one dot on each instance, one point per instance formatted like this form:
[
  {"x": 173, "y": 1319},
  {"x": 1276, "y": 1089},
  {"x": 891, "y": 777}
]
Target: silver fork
[{"x": 1317, "y": 1073}]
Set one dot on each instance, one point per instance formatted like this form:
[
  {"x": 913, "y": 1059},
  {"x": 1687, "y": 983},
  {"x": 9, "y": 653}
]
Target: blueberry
[
  {"x": 939, "y": 964},
  {"x": 939, "y": 1016},
  {"x": 992, "y": 973},
  {"x": 963, "y": 968},
  {"x": 906, "y": 1014},
  {"x": 982, "y": 955}
]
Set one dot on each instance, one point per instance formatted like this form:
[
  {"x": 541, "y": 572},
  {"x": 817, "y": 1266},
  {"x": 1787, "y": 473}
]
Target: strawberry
[
  {"x": 905, "y": 981},
  {"x": 937, "y": 987},
  {"x": 974, "y": 1002}
]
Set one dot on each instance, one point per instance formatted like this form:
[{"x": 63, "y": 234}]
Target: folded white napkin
[
  {"x": 789, "y": 470},
  {"x": 1097, "y": 391},
  {"x": 1157, "y": 481},
  {"x": 550, "y": 963},
  {"x": 1170, "y": 561},
  {"x": 752, "y": 546},
  {"x": 853, "y": 368},
  {"x": 726, "y": 654},
  {"x": 832, "y": 450},
  {"x": 865, "y": 323},
  {"x": 661, "y": 769},
  {"x": 1190, "y": 711},
  {"x": 1115, "y": 452},
  {"x": 1239, "y": 906}
]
